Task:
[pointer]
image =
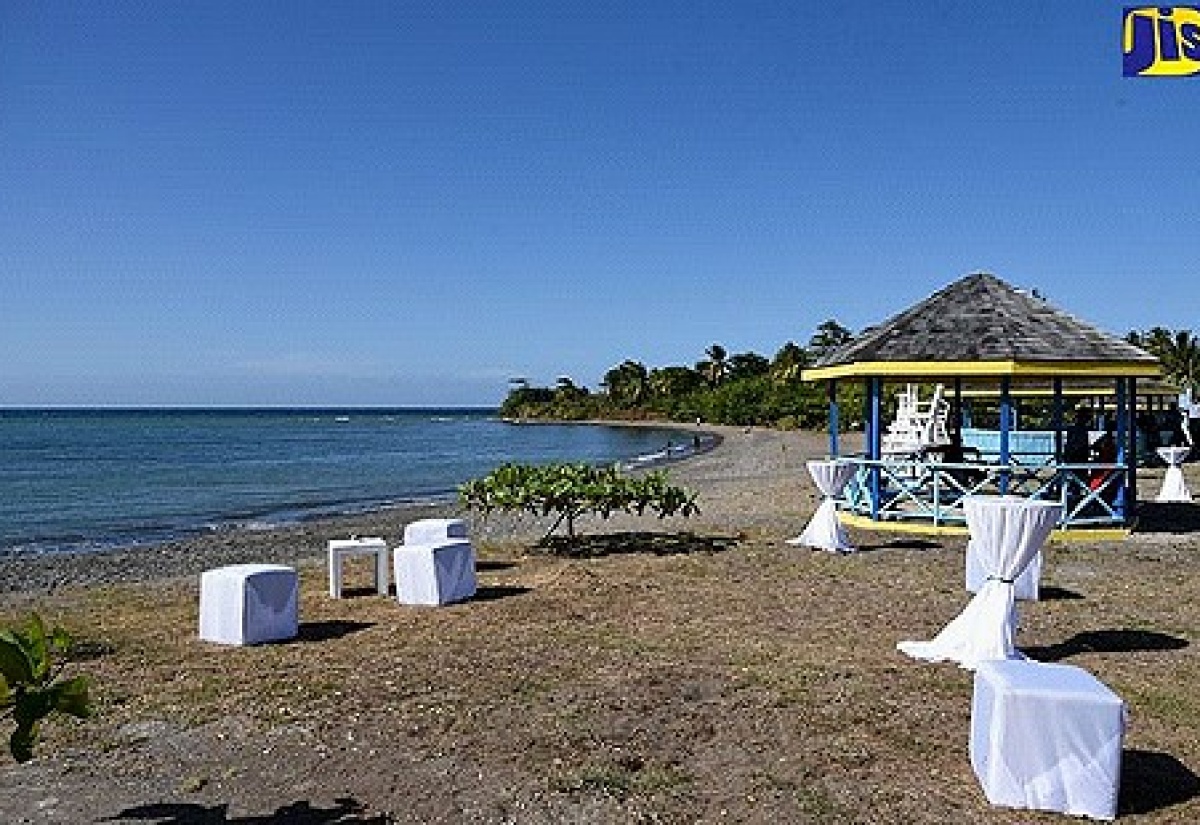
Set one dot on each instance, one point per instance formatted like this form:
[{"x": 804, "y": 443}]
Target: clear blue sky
[{"x": 410, "y": 202}]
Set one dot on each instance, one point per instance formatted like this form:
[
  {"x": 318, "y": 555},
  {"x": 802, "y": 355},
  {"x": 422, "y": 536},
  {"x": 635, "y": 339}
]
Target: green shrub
[
  {"x": 569, "y": 491},
  {"x": 30, "y": 689}
]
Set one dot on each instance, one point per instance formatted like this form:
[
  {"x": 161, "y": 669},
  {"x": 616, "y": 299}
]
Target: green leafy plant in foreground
[
  {"x": 569, "y": 491},
  {"x": 30, "y": 687}
]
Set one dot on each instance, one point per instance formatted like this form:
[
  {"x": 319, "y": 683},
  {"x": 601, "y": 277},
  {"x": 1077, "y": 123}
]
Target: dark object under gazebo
[{"x": 982, "y": 335}]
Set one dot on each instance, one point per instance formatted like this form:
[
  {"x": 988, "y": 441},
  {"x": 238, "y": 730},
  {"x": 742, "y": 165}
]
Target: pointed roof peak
[{"x": 979, "y": 319}]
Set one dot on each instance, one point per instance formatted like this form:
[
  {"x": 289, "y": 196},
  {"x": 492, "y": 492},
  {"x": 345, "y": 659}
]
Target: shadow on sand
[
  {"x": 1105, "y": 641},
  {"x": 496, "y": 592},
  {"x": 1156, "y": 517},
  {"x": 1151, "y": 781},
  {"x": 486, "y": 565},
  {"x": 332, "y": 629},
  {"x": 876, "y": 543},
  {"x": 1053, "y": 593},
  {"x": 613, "y": 544},
  {"x": 298, "y": 813}
]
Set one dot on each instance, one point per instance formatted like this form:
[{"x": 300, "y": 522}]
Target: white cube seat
[
  {"x": 434, "y": 530},
  {"x": 246, "y": 604},
  {"x": 435, "y": 573},
  {"x": 1046, "y": 737}
]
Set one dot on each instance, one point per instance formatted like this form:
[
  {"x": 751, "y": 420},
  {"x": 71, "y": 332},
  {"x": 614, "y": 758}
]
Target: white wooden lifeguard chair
[{"x": 919, "y": 424}]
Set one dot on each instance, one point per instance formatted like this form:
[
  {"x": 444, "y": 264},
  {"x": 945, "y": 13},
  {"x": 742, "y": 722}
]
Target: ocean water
[{"x": 77, "y": 480}]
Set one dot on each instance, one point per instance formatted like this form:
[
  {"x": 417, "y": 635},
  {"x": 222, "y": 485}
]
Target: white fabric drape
[
  {"x": 1008, "y": 531},
  {"x": 1174, "y": 488},
  {"x": 1046, "y": 737},
  {"x": 1027, "y": 586},
  {"x": 824, "y": 530}
]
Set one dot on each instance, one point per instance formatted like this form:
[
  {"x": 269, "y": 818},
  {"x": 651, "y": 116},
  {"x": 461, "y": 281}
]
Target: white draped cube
[
  {"x": 1007, "y": 531},
  {"x": 434, "y": 530},
  {"x": 1174, "y": 487},
  {"x": 246, "y": 604},
  {"x": 339, "y": 549},
  {"x": 435, "y": 573},
  {"x": 1046, "y": 737},
  {"x": 1027, "y": 585},
  {"x": 824, "y": 530}
]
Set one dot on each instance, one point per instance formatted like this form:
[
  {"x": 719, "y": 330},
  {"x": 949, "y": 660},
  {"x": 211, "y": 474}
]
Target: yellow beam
[
  {"x": 920, "y": 529},
  {"x": 972, "y": 369}
]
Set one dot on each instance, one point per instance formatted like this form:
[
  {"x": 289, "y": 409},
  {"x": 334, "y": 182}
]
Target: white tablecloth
[
  {"x": 433, "y": 530},
  {"x": 1027, "y": 585},
  {"x": 434, "y": 574},
  {"x": 824, "y": 530},
  {"x": 1046, "y": 737},
  {"x": 247, "y": 604},
  {"x": 1008, "y": 531},
  {"x": 1174, "y": 488}
]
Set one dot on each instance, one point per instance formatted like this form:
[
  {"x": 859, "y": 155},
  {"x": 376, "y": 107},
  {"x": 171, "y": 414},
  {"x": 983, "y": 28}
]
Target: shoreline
[
  {"x": 153, "y": 532},
  {"x": 708, "y": 472}
]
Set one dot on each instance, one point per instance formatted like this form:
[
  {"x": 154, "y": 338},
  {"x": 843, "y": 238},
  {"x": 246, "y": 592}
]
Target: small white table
[
  {"x": 824, "y": 530},
  {"x": 1174, "y": 488},
  {"x": 339, "y": 549},
  {"x": 1046, "y": 737}
]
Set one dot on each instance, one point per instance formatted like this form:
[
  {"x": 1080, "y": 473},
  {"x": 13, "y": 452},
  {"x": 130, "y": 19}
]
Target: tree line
[
  {"x": 747, "y": 388},
  {"x": 743, "y": 389}
]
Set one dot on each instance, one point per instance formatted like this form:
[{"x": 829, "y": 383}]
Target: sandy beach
[
  {"x": 756, "y": 481},
  {"x": 689, "y": 671}
]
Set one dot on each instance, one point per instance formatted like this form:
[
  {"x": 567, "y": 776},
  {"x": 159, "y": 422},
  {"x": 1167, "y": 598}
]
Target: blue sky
[{"x": 410, "y": 202}]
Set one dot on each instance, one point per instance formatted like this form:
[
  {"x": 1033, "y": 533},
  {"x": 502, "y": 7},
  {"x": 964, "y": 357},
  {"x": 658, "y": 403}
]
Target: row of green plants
[
  {"x": 746, "y": 388},
  {"x": 565, "y": 492}
]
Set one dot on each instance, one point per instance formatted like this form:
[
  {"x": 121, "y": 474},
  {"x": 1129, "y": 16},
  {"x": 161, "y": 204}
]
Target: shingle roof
[{"x": 980, "y": 318}]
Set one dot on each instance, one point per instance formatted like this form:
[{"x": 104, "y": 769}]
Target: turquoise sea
[{"x": 78, "y": 480}]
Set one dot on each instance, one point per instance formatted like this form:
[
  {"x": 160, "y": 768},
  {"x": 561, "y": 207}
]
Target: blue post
[
  {"x": 1058, "y": 421},
  {"x": 875, "y": 448},
  {"x": 1005, "y": 427},
  {"x": 1123, "y": 453},
  {"x": 1131, "y": 488},
  {"x": 833, "y": 418},
  {"x": 958, "y": 411}
]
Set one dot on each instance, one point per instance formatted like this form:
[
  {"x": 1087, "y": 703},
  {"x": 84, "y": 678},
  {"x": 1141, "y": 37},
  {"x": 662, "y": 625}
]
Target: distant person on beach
[{"x": 1077, "y": 448}]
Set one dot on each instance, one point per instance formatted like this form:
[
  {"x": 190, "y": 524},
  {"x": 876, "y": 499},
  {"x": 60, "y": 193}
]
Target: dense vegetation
[
  {"x": 743, "y": 389},
  {"x": 751, "y": 389}
]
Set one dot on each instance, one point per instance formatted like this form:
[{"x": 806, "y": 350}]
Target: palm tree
[
  {"x": 673, "y": 382},
  {"x": 1178, "y": 351},
  {"x": 716, "y": 367},
  {"x": 829, "y": 336},
  {"x": 627, "y": 383},
  {"x": 788, "y": 363}
]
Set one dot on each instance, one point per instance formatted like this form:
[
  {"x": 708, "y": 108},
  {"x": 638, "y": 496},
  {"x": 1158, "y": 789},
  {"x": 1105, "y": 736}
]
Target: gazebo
[{"x": 983, "y": 338}]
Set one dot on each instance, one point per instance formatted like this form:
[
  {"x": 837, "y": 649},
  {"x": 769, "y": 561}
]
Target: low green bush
[
  {"x": 569, "y": 491},
  {"x": 31, "y": 662}
]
